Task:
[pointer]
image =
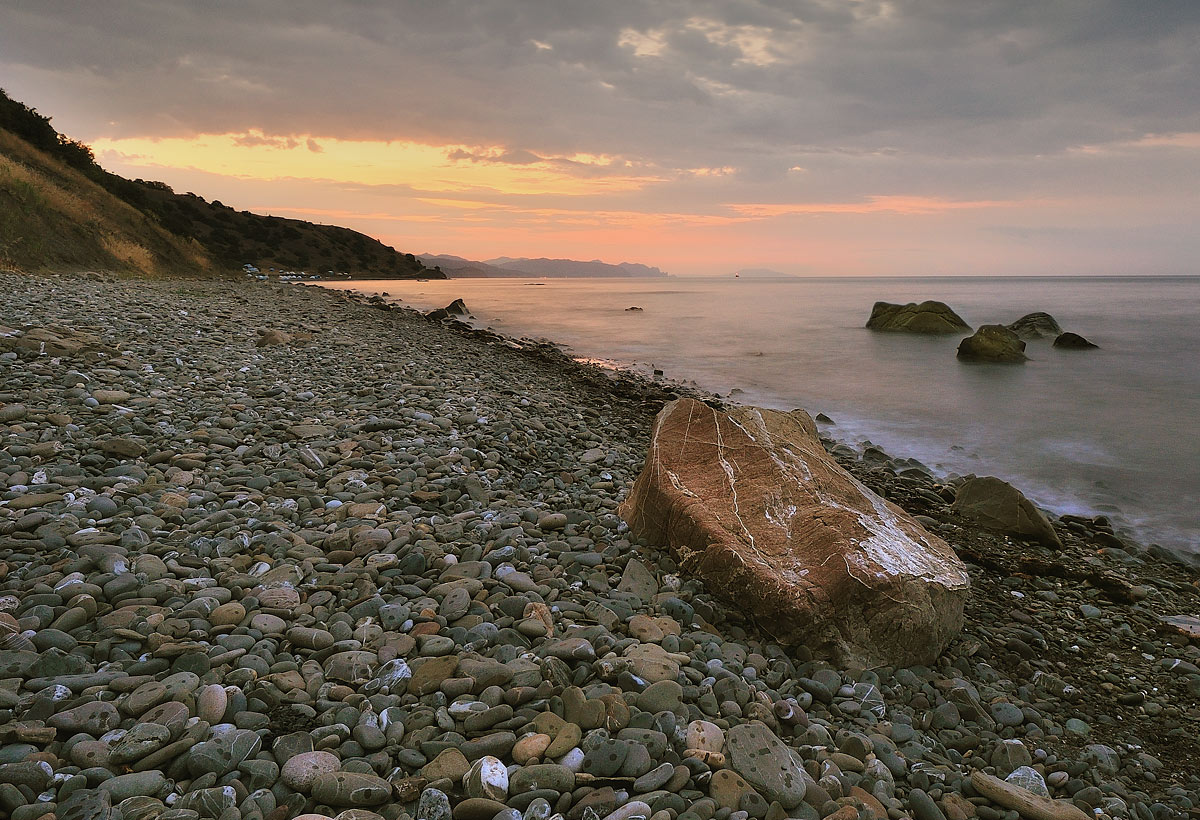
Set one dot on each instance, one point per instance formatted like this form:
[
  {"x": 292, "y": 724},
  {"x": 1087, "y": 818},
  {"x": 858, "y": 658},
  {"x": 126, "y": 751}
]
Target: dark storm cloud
[{"x": 751, "y": 83}]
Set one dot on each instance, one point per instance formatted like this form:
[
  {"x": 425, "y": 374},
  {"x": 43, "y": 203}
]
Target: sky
[{"x": 816, "y": 137}]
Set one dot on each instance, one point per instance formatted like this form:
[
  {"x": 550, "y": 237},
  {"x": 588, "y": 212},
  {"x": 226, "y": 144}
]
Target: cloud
[
  {"x": 669, "y": 82},
  {"x": 671, "y": 106}
]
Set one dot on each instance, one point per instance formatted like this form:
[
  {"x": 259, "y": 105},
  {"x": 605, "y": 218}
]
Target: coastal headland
[{"x": 270, "y": 550}]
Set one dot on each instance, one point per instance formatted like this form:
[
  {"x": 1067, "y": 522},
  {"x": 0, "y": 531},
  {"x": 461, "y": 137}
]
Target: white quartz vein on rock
[{"x": 888, "y": 548}]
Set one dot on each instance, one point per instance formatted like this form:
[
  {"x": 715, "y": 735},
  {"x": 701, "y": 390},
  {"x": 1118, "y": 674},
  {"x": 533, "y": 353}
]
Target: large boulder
[
  {"x": 926, "y": 317},
  {"x": 749, "y": 501},
  {"x": 997, "y": 505},
  {"x": 1037, "y": 325},
  {"x": 1073, "y": 341},
  {"x": 992, "y": 343}
]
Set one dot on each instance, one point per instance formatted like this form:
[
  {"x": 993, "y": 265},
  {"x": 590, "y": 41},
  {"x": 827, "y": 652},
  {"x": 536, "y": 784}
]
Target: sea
[{"x": 1110, "y": 431}]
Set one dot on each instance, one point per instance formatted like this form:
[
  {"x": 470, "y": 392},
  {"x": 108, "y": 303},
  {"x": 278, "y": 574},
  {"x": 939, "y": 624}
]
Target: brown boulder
[
  {"x": 992, "y": 343},
  {"x": 926, "y": 317},
  {"x": 748, "y": 500},
  {"x": 998, "y": 505}
]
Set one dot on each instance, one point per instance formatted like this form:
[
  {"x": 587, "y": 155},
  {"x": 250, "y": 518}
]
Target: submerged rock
[
  {"x": 1073, "y": 341},
  {"x": 1036, "y": 325},
  {"x": 998, "y": 505},
  {"x": 926, "y": 317},
  {"x": 748, "y": 500},
  {"x": 992, "y": 343}
]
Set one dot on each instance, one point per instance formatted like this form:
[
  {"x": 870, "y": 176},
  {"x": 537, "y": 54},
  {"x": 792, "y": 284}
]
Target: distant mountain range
[{"x": 506, "y": 266}]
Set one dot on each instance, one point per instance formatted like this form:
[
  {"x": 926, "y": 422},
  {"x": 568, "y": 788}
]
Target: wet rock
[
  {"x": 926, "y": 317},
  {"x": 749, "y": 500},
  {"x": 1036, "y": 325},
  {"x": 1073, "y": 341},
  {"x": 992, "y": 343},
  {"x": 996, "y": 504}
]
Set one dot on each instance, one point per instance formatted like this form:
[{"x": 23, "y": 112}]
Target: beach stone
[
  {"x": 139, "y": 741},
  {"x": 996, "y": 504},
  {"x": 540, "y": 776},
  {"x": 299, "y": 772},
  {"x": 137, "y": 784},
  {"x": 224, "y": 752},
  {"x": 212, "y": 703},
  {"x": 487, "y": 778},
  {"x": 662, "y": 696},
  {"x": 351, "y": 789},
  {"x": 1104, "y": 759},
  {"x": 483, "y": 808},
  {"x": 450, "y": 764},
  {"x": 1010, "y": 755},
  {"x": 1030, "y": 780},
  {"x": 428, "y": 677},
  {"x": 605, "y": 759},
  {"x": 728, "y": 789},
  {"x": 638, "y": 580},
  {"x": 567, "y": 737},
  {"x": 815, "y": 555},
  {"x": 992, "y": 343},
  {"x": 433, "y": 804},
  {"x": 654, "y": 779},
  {"x": 85, "y": 804},
  {"x": 926, "y": 317},
  {"x": 634, "y": 808},
  {"x": 705, "y": 736},
  {"x": 531, "y": 747},
  {"x": 758, "y": 755},
  {"x": 268, "y": 624},
  {"x": 923, "y": 806},
  {"x": 310, "y": 638},
  {"x": 94, "y": 718}
]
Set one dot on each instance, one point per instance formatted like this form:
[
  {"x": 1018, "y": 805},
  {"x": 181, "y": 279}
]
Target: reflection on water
[{"x": 1080, "y": 431}]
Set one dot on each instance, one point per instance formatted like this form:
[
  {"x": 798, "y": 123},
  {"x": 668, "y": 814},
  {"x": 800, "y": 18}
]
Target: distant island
[
  {"x": 762, "y": 273},
  {"x": 457, "y": 267}
]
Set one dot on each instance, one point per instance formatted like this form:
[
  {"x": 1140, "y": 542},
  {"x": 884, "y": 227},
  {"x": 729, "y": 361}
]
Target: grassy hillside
[
  {"x": 59, "y": 209},
  {"x": 53, "y": 217}
]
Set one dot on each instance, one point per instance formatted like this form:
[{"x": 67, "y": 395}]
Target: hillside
[
  {"x": 60, "y": 209},
  {"x": 458, "y": 267},
  {"x": 53, "y": 217}
]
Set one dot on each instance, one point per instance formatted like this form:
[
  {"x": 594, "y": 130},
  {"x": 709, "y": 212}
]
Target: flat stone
[
  {"x": 300, "y": 771},
  {"x": 351, "y": 789},
  {"x": 766, "y": 763}
]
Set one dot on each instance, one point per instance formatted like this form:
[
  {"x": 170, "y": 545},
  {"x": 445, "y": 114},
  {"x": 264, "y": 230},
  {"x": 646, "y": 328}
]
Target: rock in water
[
  {"x": 992, "y": 343},
  {"x": 456, "y": 308},
  {"x": 1037, "y": 325},
  {"x": 927, "y": 317},
  {"x": 998, "y": 505},
  {"x": 748, "y": 500},
  {"x": 1073, "y": 341}
]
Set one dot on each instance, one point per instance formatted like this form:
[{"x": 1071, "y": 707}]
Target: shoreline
[
  {"x": 1122, "y": 522},
  {"x": 389, "y": 461}
]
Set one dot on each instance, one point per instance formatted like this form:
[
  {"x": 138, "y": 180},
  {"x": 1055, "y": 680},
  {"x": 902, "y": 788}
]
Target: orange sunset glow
[{"x": 699, "y": 143}]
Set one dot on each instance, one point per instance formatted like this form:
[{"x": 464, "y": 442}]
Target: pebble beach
[{"x": 274, "y": 551}]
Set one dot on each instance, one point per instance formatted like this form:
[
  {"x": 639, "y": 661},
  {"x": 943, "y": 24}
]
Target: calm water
[{"x": 1110, "y": 430}]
